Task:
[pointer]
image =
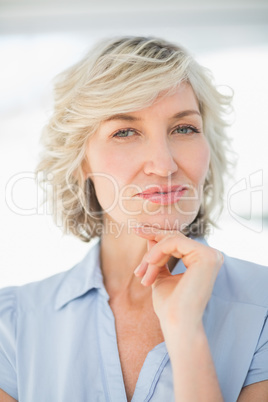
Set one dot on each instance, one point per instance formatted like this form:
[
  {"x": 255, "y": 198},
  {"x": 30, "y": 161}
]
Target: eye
[
  {"x": 186, "y": 130},
  {"x": 126, "y": 133}
]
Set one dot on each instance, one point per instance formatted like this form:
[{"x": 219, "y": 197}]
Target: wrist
[
  {"x": 183, "y": 333},
  {"x": 181, "y": 322}
]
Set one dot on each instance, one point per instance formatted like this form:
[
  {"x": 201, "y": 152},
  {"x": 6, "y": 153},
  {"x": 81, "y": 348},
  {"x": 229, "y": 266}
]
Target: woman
[{"x": 135, "y": 155}]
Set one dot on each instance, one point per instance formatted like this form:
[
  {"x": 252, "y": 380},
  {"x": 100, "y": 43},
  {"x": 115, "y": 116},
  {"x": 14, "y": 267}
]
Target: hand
[{"x": 178, "y": 298}]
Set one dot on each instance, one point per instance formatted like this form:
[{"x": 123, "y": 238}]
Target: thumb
[{"x": 150, "y": 244}]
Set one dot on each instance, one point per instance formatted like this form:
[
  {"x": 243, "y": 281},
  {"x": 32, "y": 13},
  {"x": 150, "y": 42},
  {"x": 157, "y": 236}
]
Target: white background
[{"x": 39, "y": 39}]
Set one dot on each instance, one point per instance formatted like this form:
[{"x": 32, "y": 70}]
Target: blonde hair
[{"x": 118, "y": 76}]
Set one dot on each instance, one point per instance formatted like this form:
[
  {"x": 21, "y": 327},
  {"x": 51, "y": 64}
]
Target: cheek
[
  {"x": 198, "y": 162},
  {"x": 110, "y": 171},
  {"x": 103, "y": 161},
  {"x": 120, "y": 164}
]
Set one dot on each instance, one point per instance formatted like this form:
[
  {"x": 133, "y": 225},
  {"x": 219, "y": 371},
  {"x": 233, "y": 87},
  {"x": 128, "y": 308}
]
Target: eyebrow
[{"x": 128, "y": 117}]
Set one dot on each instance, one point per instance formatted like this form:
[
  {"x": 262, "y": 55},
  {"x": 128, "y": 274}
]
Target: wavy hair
[{"x": 118, "y": 76}]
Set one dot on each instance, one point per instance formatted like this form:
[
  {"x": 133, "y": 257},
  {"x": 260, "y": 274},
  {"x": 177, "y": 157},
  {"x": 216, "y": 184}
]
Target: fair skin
[
  {"x": 157, "y": 147},
  {"x": 161, "y": 145}
]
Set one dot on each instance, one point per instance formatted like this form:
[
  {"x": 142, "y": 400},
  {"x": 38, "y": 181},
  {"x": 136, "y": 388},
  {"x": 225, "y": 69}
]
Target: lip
[{"x": 163, "y": 195}]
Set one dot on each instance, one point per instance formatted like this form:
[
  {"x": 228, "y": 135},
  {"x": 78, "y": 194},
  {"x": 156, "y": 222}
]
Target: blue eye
[
  {"x": 124, "y": 133},
  {"x": 186, "y": 130}
]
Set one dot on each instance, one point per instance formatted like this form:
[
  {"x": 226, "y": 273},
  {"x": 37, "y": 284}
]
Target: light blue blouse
[{"x": 58, "y": 339}]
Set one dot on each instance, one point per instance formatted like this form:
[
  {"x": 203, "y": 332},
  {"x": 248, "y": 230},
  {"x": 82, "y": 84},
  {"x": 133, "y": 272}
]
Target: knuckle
[{"x": 216, "y": 257}]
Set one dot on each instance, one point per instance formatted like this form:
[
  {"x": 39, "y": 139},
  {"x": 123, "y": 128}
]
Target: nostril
[
  {"x": 160, "y": 169},
  {"x": 161, "y": 163}
]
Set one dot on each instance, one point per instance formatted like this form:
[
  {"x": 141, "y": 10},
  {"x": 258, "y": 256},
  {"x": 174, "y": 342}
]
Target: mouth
[{"x": 163, "y": 195}]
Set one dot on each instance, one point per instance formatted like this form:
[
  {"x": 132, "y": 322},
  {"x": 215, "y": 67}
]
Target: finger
[
  {"x": 153, "y": 272},
  {"x": 141, "y": 269},
  {"x": 169, "y": 245},
  {"x": 150, "y": 244},
  {"x": 191, "y": 252}
]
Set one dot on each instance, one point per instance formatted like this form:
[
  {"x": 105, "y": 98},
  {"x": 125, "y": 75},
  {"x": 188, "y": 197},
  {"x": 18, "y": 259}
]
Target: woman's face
[{"x": 149, "y": 166}]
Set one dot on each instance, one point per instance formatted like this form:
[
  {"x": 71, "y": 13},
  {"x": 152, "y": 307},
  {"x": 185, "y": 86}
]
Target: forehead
[
  {"x": 180, "y": 103},
  {"x": 181, "y": 99}
]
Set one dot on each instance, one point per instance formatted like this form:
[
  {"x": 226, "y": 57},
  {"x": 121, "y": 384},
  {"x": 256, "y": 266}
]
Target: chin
[{"x": 167, "y": 222}]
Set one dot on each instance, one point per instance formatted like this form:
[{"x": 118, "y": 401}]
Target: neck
[{"x": 121, "y": 253}]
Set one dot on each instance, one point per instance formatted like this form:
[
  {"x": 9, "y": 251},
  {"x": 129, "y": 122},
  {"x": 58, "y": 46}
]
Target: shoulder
[
  {"x": 46, "y": 293},
  {"x": 242, "y": 281},
  {"x": 32, "y": 294},
  {"x": 8, "y": 307},
  {"x": 236, "y": 324}
]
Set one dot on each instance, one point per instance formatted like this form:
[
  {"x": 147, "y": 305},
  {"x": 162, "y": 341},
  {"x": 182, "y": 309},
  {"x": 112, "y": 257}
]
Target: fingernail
[
  {"x": 141, "y": 269},
  {"x": 137, "y": 269},
  {"x": 143, "y": 281}
]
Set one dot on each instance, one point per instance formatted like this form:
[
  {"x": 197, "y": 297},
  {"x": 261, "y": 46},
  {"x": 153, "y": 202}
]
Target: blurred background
[{"x": 39, "y": 38}]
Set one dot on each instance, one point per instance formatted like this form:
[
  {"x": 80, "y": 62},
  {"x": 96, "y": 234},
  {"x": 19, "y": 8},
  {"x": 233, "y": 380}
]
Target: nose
[{"x": 160, "y": 160}]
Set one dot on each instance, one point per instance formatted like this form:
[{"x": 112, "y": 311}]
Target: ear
[{"x": 85, "y": 169}]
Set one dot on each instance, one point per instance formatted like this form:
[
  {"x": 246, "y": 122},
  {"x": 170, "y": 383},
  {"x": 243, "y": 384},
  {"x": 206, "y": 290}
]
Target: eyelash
[
  {"x": 194, "y": 129},
  {"x": 180, "y": 127}
]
